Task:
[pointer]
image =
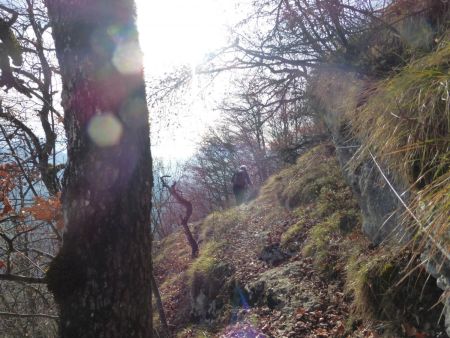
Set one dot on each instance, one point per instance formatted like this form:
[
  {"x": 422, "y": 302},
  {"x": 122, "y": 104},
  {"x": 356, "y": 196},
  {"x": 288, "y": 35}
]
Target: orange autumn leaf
[
  {"x": 48, "y": 210},
  {"x": 321, "y": 332},
  {"x": 300, "y": 312},
  {"x": 7, "y": 174},
  {"x": 7, "y": 208}
]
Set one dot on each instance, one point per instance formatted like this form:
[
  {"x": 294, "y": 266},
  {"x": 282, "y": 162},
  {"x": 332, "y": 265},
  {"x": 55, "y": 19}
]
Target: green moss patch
[
  {"x": 207, "y": 259},
  {"x": 219, "y": 223},
  {"x": 322, "y": 203},
  {"x": 324, "y": 241},
  {"x": 293, "y": 233}
]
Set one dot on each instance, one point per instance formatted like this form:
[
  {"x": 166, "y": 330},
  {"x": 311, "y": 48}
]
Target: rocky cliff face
[
  {"x": 380, "y": 207},
  {"x": 337, "y": 92}
]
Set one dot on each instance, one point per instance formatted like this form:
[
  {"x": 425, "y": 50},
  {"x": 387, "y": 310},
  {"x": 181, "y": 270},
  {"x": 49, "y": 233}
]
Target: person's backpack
[{"x": 240, "y": 179}]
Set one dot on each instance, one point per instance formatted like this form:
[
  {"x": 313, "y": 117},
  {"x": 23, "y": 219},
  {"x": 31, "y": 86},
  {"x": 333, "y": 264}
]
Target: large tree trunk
[{"x": 101, "y": 278}]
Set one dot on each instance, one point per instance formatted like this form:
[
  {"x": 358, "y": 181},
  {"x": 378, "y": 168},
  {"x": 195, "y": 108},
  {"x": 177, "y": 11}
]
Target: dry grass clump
[
  {"x": 406, "y": 124},
  {"x": 406, "y": 120},
  {"x": 301, "y": 183}
]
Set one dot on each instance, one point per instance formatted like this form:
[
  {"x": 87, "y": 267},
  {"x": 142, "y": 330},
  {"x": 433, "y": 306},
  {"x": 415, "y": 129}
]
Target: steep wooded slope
[{"x": 293, "y": 263}]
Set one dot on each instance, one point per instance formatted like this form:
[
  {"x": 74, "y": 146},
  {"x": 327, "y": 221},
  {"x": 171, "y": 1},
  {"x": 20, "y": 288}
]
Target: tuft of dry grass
[
  {"x": 406, "y": 124},
  {"x": 406, "y": 120}
]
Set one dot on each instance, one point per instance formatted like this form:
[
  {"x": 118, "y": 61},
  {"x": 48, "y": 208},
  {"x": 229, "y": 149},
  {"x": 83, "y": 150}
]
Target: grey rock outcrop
[
  {"x": 273, "y": 254},
  {"x": 380, "y": 207},
  {"x": 284, "y": 288},
  {"x": 206, "y": 291},
  {"x": 439, "y": 268},
  {"x": 338, "y": 91}
]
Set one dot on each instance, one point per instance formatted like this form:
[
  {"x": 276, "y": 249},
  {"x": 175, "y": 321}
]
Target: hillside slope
[{"x": 293, "y": 263}]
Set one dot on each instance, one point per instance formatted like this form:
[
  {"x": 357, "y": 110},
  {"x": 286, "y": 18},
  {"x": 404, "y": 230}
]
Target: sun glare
[{"x": 179, "y": 33}]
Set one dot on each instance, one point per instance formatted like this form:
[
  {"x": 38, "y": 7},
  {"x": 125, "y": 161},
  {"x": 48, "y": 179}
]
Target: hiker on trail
[{"x": 241, "y": 182}]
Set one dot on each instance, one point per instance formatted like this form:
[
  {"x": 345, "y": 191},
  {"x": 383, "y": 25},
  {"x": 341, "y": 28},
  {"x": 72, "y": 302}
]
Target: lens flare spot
[
  {"x": 127, "y": 58},
  {"x": 105, "y": 130}
]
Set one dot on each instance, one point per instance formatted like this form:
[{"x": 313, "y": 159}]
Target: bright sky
[{"x": 180, "y": 32}]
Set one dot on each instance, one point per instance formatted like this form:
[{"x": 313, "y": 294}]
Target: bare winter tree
[
  {"x": 29, "y": 101},
  {"x": 30, "y": 167},
  {"x": 101, "y": 278},
  {"x": 210, "y": 170},
  {"x": 280, "y": 44}
]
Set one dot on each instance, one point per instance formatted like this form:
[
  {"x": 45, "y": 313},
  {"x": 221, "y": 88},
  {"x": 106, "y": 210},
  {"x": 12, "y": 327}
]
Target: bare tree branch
[
  {"x": 184, "y": 220},
  {"x": 22, "y": 279},
  {"x": 28, "y": 315}
]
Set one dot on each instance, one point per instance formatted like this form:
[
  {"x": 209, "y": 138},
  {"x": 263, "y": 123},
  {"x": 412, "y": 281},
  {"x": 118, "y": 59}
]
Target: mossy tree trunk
[{"x": 101, "y": 279}]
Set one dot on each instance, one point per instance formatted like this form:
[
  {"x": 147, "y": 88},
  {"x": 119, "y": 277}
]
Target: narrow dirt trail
[{"x": 289, "y": 299}]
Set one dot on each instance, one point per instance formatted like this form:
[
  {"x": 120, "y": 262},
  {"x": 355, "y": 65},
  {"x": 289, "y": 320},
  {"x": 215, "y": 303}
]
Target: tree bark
[{"x": 101, "y": 279}]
